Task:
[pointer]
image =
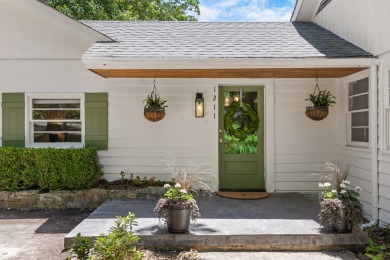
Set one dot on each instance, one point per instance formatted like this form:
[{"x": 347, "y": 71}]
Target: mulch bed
[{"x": 129, "y": 184}]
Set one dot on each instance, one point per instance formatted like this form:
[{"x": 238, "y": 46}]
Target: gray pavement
[{"x": 284, "y": 221}]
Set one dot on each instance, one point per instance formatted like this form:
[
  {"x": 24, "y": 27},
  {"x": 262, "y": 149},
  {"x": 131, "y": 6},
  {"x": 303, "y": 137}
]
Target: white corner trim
[{"x": 269, "y": 153}]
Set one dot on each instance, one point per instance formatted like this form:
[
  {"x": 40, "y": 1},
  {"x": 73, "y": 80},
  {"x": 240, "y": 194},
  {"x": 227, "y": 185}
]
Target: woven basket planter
[
  {"x": 317, "y": 113},
  {"x": 154, "y": 115}
]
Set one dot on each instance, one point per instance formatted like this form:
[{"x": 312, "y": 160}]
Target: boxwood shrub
[{"x": 48, "y": 168}]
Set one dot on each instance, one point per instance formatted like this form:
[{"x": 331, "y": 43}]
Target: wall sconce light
[{"x": 199, "y": 105}]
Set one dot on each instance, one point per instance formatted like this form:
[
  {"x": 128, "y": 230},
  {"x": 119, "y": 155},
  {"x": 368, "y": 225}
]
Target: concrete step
[{"x": 281, "y": 222}]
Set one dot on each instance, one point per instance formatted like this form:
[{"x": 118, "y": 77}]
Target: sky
[{"x": 246, "y": 10}]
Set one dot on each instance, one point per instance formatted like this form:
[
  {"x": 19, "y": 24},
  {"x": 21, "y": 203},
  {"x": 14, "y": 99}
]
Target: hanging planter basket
[
  {"x": 317, "y": 113},
  {"x": 320, "y": 102},
  {"x": 154, "y": 115},
  {"x": 154, "y": 109}
]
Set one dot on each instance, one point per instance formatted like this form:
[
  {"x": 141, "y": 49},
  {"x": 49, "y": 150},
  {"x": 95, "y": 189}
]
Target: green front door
[{"x": 241, "y": 138}]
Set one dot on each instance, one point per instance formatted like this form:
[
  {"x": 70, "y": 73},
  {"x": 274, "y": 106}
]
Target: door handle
[{"x": 220, "y": 140}]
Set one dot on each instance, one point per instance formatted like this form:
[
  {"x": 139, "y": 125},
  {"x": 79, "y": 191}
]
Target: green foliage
[
  {"x": 163, "y": 10},
  {"x": 176, "y": 193},
  {"x": 322, "y": 99},
  {"x": 246, "y": 124},
  {"x": 120, "y": 242},
  {"x": 234, "y": 145},
  {"x": 81, "y": 247},
  {"x": 48, "y": 168},
  {"x": 153, "y": 102},
  {"x": 375, "y": 252}
]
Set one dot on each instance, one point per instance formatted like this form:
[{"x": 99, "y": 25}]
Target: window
[
  {"x": 358, "y": 113},
  {"x": 55, "y": 121}
]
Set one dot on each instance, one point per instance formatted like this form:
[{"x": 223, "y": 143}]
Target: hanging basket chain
[
  {"x": 316, "y": 113},
  {"x": 154, "y": 110},
  {"x": 155, "y": 92},
  {"x": 316, "y": 89}
]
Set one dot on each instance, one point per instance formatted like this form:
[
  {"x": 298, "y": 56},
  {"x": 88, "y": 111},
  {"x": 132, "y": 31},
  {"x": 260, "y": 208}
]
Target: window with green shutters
[{"x": 55, "y": 120}]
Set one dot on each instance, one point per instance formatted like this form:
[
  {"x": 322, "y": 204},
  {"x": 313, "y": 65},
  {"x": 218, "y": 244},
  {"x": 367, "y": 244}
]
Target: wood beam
[{"x": 229, "y": 73}]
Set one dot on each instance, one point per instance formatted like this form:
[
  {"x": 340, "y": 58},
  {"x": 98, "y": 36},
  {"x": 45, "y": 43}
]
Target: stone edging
[{"x": 77, "y": 199}]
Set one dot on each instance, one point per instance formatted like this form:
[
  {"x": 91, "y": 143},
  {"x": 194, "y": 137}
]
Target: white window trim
[
  {"x": 348, "y": 144},
  {"x": 28, "y": 119}
]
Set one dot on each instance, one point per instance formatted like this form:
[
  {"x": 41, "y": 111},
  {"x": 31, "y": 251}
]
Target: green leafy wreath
[{"x": 246, "y": 124}]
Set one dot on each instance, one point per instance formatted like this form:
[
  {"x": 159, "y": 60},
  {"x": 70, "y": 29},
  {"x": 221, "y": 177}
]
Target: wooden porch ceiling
[{"x": 229, "y": 73}]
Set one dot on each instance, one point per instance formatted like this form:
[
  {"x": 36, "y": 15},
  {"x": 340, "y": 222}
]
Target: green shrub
[
  {"x": 119, "y": 244},
  {"x": 81, "y": 247},
  {"x": 48, "y": 168}
]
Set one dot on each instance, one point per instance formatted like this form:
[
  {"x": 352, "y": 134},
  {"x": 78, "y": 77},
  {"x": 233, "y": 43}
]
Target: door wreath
[{"x": 243, "y": 125}]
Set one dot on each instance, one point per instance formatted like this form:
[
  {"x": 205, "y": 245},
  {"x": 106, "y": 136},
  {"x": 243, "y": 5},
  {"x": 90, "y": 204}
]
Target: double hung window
[
  {"x": 55, "y": 121},
  {"x": 358, "y": 113}
]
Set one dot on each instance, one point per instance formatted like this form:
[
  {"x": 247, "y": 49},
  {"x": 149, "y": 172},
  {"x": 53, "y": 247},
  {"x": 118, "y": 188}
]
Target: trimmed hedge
[{"x": 48, "y": 168}]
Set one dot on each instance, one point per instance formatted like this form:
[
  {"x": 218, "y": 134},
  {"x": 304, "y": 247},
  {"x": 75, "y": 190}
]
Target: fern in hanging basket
[
  {"x": 154, "y": 109},
  {"x": 320, "y": 104}
]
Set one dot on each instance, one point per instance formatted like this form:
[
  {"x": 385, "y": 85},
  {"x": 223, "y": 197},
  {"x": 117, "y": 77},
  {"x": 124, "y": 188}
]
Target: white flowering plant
[
  {"x": 342, "y": 192},
  {"x": 176, "y": 195}
]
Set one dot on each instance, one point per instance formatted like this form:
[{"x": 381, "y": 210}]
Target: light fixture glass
[
  {"x": 236, "y": 97},
  {"x": 199, "y": 105}
]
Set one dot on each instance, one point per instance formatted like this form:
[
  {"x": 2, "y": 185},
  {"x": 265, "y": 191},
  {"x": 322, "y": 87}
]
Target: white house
[
  {"x": 364, "y": 24},
  {"x": 66, "y": 83}
]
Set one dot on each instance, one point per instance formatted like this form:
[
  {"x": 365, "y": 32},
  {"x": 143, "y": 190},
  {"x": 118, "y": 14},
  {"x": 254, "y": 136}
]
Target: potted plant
[
  {"x": 154, "y": 109},
  {"x": 341, "y": 211},
  {"x": 179, "y": 205},
  {"x": 177, "y": 208},
  {"x": 320, "y": 104}
]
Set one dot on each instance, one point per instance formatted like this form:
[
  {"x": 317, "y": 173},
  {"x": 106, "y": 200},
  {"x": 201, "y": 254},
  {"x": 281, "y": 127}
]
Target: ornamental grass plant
[{"x": 188, "y": 178}]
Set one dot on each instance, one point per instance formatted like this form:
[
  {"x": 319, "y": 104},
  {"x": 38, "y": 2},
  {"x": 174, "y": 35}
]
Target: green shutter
[
  {"x": 96, "y": 120},
  {"x": 13, "y": 119}
]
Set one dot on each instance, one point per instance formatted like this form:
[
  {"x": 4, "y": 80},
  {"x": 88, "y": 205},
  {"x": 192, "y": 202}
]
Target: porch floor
[{"x": 283, "y": 221}]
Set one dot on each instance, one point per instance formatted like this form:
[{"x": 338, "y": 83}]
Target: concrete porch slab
[{"x": 284, "y": 221}]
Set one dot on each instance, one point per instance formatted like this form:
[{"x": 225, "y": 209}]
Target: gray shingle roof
[{"x": 219, "y": 40}]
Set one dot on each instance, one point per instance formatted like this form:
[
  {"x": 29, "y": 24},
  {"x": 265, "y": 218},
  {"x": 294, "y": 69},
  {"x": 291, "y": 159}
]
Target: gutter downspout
[{"x": 375, "y": 84}]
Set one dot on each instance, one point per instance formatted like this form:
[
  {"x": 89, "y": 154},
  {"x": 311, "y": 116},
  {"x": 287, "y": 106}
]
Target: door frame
[
  {"x": 246, "y": 179},
  {"x": 269, "y": 125}
]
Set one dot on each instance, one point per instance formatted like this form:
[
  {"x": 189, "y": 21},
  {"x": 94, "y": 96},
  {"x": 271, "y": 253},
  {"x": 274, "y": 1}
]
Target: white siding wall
[
  {"x": 364, "y": 23},
  {"x": 138, "y": 146},
  {"x": 300, "y": 142},
  {"x": 28, "y": 35},
  {"x": 384, "y": 152}
]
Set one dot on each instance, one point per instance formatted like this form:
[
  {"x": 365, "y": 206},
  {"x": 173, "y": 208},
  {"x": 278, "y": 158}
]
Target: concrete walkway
[{"x": 284, "y": 221}]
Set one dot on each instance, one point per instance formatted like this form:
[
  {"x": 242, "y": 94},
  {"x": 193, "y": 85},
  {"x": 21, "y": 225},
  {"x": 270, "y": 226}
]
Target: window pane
[
  {"x": 360, "y": 118},
  {"x": 54, "y": 126},
  {"x": 56, "y": 114},
  {"x": 56, "y": 103},
  {"x": 357, "y": 103},
  {"x": 359, "y": 134},
  {"x": 57, "y": 138},
  {"x": 358, "y": 87}
]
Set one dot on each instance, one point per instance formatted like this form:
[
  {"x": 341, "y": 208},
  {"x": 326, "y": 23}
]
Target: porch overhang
[{"x": 228, "y": 68}]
